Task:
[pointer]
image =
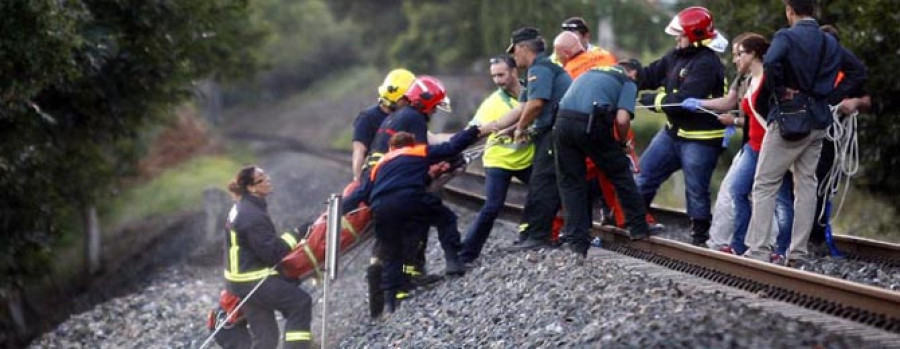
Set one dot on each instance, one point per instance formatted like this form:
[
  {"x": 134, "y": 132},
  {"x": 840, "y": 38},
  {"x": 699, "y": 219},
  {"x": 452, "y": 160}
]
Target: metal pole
[{"x": 332, "y": 247}]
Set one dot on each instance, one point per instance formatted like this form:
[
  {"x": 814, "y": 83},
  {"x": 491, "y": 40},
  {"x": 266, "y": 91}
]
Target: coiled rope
[{"x": 846, "y": 158}]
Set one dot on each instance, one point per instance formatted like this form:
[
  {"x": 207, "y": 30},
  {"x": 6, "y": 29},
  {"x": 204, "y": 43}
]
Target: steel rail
[
  {"x": 856, "y": 247},
  {"x": 867, "y": 304}
]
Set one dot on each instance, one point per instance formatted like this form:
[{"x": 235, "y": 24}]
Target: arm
[
  {"x": 359, "y": 157},
  {"x": 455, "y": 145},
  {"x": 654, "y": 74},
  {"x": 724, "y": 103},
  {"x": 435, "y": 138},
  {"x": 772, "y": 63},
  {"x": 855, "y": 76},
  {"x": 265, "y": 243},
  {"x": 507, "y": 120},
  {"x": 530, "y": 112}
]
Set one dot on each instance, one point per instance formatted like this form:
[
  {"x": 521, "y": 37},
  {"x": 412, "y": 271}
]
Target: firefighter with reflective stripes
[
  {"x": 691, "y": 141},
  {"x": 365, "y": 127},
  {"x": 402, "y": 206},
  {"x": 253, "y": 250}
]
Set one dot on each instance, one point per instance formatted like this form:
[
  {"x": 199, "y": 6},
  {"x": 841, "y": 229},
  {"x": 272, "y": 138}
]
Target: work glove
[
  {"x": 691, "y": 104},
  {"x": 648, "y": 99}
]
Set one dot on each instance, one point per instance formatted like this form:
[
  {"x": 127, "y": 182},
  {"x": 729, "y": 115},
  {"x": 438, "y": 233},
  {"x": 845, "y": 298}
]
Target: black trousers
[
  {"x": 542, "y": 201},
  {"x": 401, "y": 225},
  {"x": 826, "y": 160},
  {"x": 294, "y": 304},
  {"x": 573, "y": 145}
]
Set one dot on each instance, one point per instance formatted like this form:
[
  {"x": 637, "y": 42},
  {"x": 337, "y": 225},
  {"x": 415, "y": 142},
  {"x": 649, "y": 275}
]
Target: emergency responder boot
[
  {"x": 700, "y": 229},
  {"x": 376, "y": 296},
  {"x": 453, "y": 266},
  {"x": 392, "y": 300}
]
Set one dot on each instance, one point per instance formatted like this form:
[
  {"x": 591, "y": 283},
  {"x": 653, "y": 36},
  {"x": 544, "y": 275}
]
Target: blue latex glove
[
  {"x": 729, "y": 131},
  {"x": 691, "y": 104},
  {"x": 648, "y": 99}
]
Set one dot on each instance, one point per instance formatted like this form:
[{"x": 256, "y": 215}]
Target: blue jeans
[
  {"x": 496, "y": 186},
  {"x": 667, "y": 154},
  {"x": 742, "y": 186}
]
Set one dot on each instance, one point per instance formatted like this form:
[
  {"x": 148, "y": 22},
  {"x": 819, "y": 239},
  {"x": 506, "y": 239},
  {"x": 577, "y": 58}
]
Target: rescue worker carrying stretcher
[
  {"x": 690, "y": 141},
  {"x": 402, "y": 206},
  {"x": 253, "y": 250}
]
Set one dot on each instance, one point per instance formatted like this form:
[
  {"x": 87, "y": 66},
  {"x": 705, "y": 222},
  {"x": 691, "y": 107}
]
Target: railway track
[
  {"x": 853, "y": 247},
  {"x": 877, "y": 307},
  {"x": 873, "y": 306}
]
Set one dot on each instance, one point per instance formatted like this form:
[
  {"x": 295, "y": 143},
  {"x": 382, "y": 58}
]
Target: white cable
[
  {"x": 846, "y": 158},
  {"x": 228, "y": 315}
]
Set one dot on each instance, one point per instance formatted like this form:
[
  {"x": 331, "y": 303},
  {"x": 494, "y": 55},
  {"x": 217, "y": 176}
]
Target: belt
[{"x": 573, "y": 115}]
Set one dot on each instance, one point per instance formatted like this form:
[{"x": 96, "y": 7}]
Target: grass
[{"x": 175, "y": 190}]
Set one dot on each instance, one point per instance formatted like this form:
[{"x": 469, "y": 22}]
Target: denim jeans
[
  {"x": 667, "y": 154},
  {"x": 496, "y": 185},
  {"x": 742, "y": 186}
]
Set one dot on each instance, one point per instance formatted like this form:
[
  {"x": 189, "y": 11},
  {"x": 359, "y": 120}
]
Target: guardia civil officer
[
  {"x": 546, "y": 82},
  {"x": 599, "y": 102},
  {"x": 252, "y": 251}
]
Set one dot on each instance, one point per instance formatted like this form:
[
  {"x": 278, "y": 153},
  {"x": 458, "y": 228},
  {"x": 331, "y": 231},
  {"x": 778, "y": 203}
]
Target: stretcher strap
[
  {"x": 312, "y": 258},
  {"x": 345, "y": 223}
]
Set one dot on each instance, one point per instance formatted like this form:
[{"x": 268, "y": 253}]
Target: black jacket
[
  {"x": 683, "y": 73},
  {"x": 252, "y": 245}
]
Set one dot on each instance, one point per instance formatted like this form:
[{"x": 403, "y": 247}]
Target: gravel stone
[{"x": 539, "y": 299}]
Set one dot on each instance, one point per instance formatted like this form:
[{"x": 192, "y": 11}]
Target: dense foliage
[
  {"x": 444, "y": 36},
  {"x": 869, "y": 29},
  {"x": 81, "y": 79}
]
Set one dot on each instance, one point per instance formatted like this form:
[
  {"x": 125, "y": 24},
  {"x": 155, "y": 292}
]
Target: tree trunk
[{"x": 92, "y": 251}]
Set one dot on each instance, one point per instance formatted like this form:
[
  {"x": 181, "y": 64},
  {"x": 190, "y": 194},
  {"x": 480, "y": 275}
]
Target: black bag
[{"x": 795, "y": 117}]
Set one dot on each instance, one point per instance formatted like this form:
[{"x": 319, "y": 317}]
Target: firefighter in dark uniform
[
  {"x": 691, "y": 141},
  {"x": 599, "y": 102},
  {"x": 253, "y": 250},
  {"x": 546, "y": 83},
  {"x": 403, "y": 206},
  {"x": 365, "y": 127}
]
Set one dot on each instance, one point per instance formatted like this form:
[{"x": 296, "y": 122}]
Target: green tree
[{"x": 82, "y": 79}]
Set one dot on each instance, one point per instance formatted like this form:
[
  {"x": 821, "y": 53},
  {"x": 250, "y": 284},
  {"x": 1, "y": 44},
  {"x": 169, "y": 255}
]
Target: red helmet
[
  {"x": 696, "y": 23},
  {"x": 426, "y": 94}
]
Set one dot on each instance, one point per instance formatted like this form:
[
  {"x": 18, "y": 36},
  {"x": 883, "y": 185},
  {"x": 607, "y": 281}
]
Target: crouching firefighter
[
  {"x": 253, "y": 250},
  {"x": 403, "y": 207}
]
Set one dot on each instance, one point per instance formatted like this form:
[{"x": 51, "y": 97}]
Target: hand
[
  {"x": 727, "y": 119},
  {"x": 691, "y": 104},
  {"x": 848, "y": 106},
  {"x": 439, "y": 168},
  {"x": 648, "y": 99},
  {"x": 521, "y": 136}
]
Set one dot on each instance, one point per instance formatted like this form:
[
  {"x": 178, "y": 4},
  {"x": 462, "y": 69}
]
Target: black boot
[
  {"x": 453, "y": 266},
  {"x": 700, "y": 229},
  {"x": 376, "y": 296},
  {"x": 391, "y": 301}
]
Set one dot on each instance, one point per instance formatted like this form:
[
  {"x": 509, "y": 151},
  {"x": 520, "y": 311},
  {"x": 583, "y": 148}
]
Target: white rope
[
  {"x": 228, "y": 315},
  {"x": 661, "y": 106},
  {"x": 846, "y": 158}
]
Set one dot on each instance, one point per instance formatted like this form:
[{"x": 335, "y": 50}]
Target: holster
[{"x": 599, "y": 114}]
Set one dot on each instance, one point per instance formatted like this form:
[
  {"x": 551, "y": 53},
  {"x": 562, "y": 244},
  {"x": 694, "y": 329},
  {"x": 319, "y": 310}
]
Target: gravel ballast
[{"x": 541, "y": 299}]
